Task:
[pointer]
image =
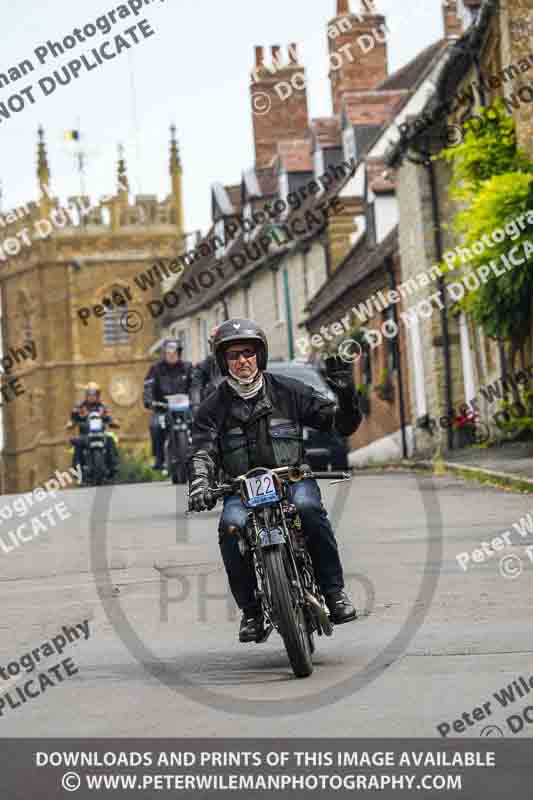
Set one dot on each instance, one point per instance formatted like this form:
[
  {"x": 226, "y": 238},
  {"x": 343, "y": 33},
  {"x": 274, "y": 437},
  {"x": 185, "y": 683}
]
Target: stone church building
[{"x": 55, "y": 260}]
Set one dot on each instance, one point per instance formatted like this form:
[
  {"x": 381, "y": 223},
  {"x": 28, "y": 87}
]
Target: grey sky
[{"x": 194, "y": 70}]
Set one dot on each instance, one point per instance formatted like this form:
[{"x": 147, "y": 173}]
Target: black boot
[
  {"x": 251, "y": 628},
  {"x": 340, "y": 607}
]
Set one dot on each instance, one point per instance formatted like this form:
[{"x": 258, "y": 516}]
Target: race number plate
[
  {"x": 261, "y": 489},
  {"x": 178, "y": 402}
]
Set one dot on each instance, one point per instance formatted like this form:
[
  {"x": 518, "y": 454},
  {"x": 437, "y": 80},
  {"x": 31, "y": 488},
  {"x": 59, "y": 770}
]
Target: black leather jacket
[
  {"x": 163, "y": 379},
  {"x": 236, "y": 435},
  {"x": 206, "y": 377}
]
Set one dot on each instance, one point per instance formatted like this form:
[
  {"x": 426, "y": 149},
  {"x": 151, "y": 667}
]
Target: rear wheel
[{"x": 288, "y": 615}]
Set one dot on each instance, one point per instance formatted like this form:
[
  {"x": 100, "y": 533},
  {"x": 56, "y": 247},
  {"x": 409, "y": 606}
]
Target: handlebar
[
  {"x": 292, "y": 474},
  {"x": 163, "y": 405}
]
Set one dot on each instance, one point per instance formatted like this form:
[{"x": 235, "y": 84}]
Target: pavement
[
  {"x": 513, "y": 461},
  {"x": 162, "y": 658}
]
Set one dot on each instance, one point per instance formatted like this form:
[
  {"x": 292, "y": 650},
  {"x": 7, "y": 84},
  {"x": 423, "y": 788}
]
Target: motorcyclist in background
[
  {"x": 255, "y": 419},
  {"x": 79, "y": 416},
  {"x": 171, "y": 375},
  {"x": 206, "y": 376}
]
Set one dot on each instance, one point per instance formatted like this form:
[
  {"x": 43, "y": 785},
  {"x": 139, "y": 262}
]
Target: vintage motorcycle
[
  {"x": 93, "y": 433},
  {"x": 287, "y": 589},
  {"x": 176, "y": 419}
]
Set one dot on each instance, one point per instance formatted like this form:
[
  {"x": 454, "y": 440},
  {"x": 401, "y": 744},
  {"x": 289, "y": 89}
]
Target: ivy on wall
[{"x": 493, "y": 184}]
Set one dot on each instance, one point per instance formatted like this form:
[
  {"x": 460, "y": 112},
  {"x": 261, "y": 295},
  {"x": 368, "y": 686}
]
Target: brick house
[{"x": 291, "y": 153}]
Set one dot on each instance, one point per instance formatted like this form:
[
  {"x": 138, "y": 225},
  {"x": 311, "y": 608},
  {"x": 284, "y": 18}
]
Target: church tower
[{"x": 91, "y": 251}]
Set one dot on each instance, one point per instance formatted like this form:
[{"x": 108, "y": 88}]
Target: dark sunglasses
[{"x": 233, "y": 355}]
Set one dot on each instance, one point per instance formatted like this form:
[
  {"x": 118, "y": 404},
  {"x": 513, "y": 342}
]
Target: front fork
[{"x": 254, "y": 543}]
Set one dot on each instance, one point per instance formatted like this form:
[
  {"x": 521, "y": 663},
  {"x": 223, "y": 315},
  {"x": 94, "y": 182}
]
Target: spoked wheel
[{"x": 289, "y": 617}]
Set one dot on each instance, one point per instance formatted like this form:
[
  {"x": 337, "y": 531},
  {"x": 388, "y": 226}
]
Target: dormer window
[
  {"x": 220, "y": 233},
  {"x": 318, "y": 160},
  {"x": 349, "y": 145},
  {"x": 247, "y": 214}
]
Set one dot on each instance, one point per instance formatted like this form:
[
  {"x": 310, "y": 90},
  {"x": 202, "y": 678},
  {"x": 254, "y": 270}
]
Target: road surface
[{"x": 433, "y": 642}]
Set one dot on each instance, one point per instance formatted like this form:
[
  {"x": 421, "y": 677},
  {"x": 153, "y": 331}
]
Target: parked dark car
[{"x": 323, "y": 451}]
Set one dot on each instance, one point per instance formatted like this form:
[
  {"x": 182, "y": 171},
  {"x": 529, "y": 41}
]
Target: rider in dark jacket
[
  {"x": 169, "y": 376},
  {"x": 79, "y": 416},
  {"x": 206, "y": 377},
  {"x": 255, "y": 418}
]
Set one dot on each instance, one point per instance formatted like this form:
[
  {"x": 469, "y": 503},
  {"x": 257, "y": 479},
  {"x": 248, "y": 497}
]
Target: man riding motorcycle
[
  {"x": 79, "y": 416},
  {"x": 256, "y": 418},
  {"x": 206, "y": 376},
  {"x": 169, "y": 376}
]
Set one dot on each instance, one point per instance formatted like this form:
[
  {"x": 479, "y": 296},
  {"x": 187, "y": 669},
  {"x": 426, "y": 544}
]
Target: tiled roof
[
  {"x": 189, "y": 305},
  {"x": 408, "y": 76},
  {"x": 372, "y": 107}
]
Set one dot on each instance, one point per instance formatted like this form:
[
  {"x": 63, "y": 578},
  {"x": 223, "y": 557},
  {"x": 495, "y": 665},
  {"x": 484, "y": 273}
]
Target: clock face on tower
[{"x": 123, "y": 390}]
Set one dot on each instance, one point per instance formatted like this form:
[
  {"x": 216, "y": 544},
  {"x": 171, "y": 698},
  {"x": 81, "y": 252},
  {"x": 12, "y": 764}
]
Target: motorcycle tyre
[{"x": 292, "y": 625}]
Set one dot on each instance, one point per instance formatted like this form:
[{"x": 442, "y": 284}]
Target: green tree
[{"x": 493, "y": 183}]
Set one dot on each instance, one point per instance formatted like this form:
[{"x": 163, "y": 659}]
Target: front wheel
[
  {"x": 182, "y": 446},
  {"x": 288, "y": 615},
  {"x": 98, "y": 467}
]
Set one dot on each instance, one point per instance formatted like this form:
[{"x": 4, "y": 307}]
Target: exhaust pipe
[{"x": 323, "y": 616}]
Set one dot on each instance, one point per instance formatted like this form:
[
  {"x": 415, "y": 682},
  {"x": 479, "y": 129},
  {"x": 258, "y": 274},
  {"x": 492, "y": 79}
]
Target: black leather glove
[
  {"x": 199, "y": 497},
  {"x": 339, "y": 375}
]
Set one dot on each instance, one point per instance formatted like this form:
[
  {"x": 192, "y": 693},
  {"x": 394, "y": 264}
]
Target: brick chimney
[
  {"x": 358, "y": 49},
  {"x": 279, "y": 102},
  {"x": 453, "y": 27}
]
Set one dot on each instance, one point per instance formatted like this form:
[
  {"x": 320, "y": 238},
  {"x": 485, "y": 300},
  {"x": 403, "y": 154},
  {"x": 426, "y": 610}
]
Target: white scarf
[{"x": 246, "y": 387}]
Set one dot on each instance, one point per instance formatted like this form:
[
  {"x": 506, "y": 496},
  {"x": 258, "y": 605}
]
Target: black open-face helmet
[{"x": 239, "y": 330}]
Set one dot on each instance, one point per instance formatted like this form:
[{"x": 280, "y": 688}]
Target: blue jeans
[{"x": 317, "y": 530}]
